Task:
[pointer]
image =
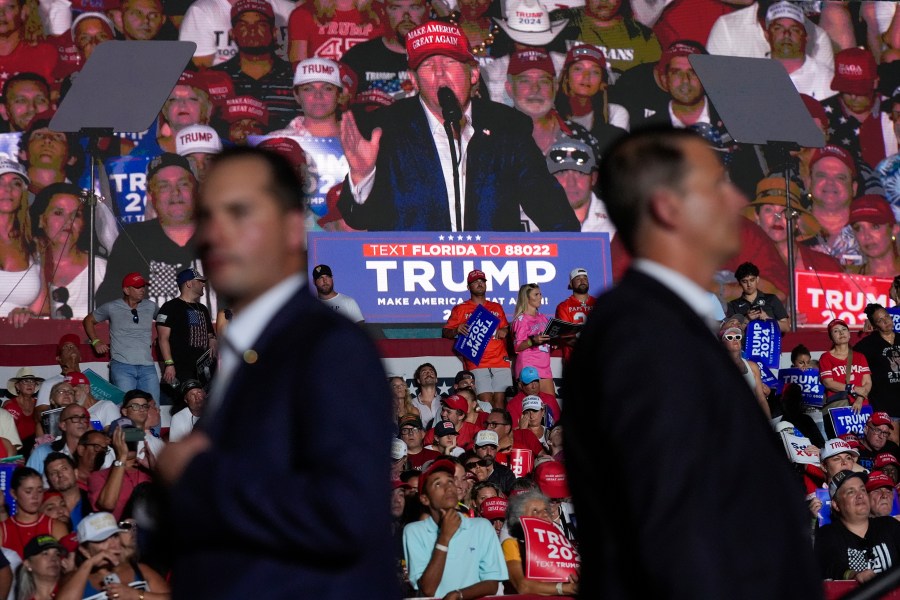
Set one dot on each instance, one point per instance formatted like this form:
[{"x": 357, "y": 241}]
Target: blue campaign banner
[
  {"x": 128, "y": 186},
  {"x": 768, "y": 378},
  {"x": 482, "y": 325},
  {"x": 847, "y": 421},
  {"x": 894, "y": 311},
  {"x": 9, "y": 145},
  {"x": 763, "y": 342},
  {"x": 808, "y": 380},
  {"x": 825, "y": 512},
  {"x": 418, "y": 277}
]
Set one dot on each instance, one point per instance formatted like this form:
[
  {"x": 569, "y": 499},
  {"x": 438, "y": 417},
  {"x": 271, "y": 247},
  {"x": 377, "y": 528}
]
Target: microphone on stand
[{"x": 452, "y": 113}]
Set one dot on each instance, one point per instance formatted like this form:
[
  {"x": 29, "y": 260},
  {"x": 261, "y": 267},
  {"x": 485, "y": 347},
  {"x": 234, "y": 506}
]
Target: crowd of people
[{"x": 407, "y": 115}]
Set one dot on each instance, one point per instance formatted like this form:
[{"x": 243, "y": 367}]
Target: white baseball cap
[
  {"x": 10, "y": 166},
  {"x": 318, "y": 69},
  {"x": 836, "y": 446},
  {"x": 97, "y": 527},
  {"x": 197, "y": 138},
  {"x": 487, "y": 438}
]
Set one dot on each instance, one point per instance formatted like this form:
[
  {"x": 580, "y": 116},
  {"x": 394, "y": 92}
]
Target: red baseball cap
[
  {"x": 69, "y": 338},
  {"x": 881, "y": 418},
  {"x": 815, "y": 108},
  {"x": 77, "y": 378},
  {"x": 437, "y": 38},
  {"x": 260, "y": 6},
  {"x": 530, "y": 58},
  {"x": 494, "y": 508},
  {"x": 333, "y": 213},
  {"x": 855, "y": 72},
  {"x": 585, "y": 52},
  {"x": 872, "y": 208},
  {"x": 878, "y": 480},
  {"x": 440, "y": 464},
  {"x": 135, "y": 280},
  {"x": 832, "y": 151},
  {"x": 286, "y": 147},
  {"x": 884, "y": 459},
  {"x": 245, "y": 107},
  {"x": 456, "y": 402},
  {"x": 550, "y": 477},
  {"x": 475, "y": 275},
  {"x": 676, "y": 49}
]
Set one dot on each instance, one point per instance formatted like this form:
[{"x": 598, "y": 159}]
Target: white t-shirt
[
  {"x": 346, "y": 306},
  {"x": 814, "y": 79},
  {"x": 207, "y": 23},
  {"x": 104, "y": 411},
  {"x": 182, "y": 424}
]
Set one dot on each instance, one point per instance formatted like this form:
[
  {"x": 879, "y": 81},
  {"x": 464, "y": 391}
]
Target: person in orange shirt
[{"x": 492, "y": 374}]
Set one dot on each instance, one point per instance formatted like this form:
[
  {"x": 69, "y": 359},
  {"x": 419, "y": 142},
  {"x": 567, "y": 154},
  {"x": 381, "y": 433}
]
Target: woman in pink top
[{"x": 532, "y": 349}]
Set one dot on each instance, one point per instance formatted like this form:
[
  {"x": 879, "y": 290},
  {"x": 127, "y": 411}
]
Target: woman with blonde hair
[
  {"x": 20, "y": 273},
  {"x": 402, "y": 398},
  {"x": 530, "y": 343}
]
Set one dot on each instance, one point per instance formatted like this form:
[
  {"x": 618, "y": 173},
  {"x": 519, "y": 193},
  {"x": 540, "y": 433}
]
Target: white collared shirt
[
  {"x": 686, "y": 289},
  {"x": 244, "y": 330},
  {"x": 362, "y": 189},
  {"x": 679, "y": 124}
]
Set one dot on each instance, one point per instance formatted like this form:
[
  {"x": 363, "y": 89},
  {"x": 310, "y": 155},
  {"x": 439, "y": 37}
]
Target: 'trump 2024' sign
[{"x": 418, "y": 277}]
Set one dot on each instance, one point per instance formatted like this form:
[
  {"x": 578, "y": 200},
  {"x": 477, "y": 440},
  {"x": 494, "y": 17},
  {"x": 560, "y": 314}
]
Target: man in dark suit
[
  {"x": 717, "y": 514},
  {"x": 276, "y": 490},
  {"x": 402, "y": 177}
]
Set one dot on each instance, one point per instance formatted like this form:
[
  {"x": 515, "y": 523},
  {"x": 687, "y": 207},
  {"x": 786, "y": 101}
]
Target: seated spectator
[
  {"x": 838, "y": 455},
  {"x": 59, "y": 470},
  {"x": 529, "y": 385},
  {"x": 742, "y": 33},
  {"x": 448, "y": 555},
  {"x": 413, "y": 433},
  {"x": 27, "y": 489},
  {"x": 454, "y": 409},
  {"x": 110, "y": 489},
  {"x": 786, "y": 35},
  {"x": 102, "y": 411},
  {"x": 855, "y": 545},
  {"x": 398, "y": 458},
  {"x": 800, "y": 416},
  {"x": 611, "y": 26},
  {"x": 139, "y": 407},
  {"x": 17, "y": 53},
  {"x": 68, "y": 357},
  {"x": 198, "y": 144},
  {"x": 529, "y": 504},
  {"x": 688, "y": 103},
  {"x": 23, "y": 387},
  {"x": 143, "y": 20},
  {"x": 832, "y": 186},
  {"x": 754, "y": 303},
  {"x": 62, "y": 231},
  {"x": 888, "y": 464},
  {"x": 100, "y": 556},
  {"x": 581, "y": 96},
  {"x": 25, "y": 95},
  {"x": 501, "y": 422},
  {"x": 256, "y": 69},
  {"x": 573, "y": 164},
  {"x": 475, "y": 415},
  {"x": 403, "y": 405},
  {"x": 876, "y": 440},
  {"x": 533, "y": 419},
  {"x": 326, "y": 30},
  {"x": 38, "y": 576},
  {"x": 91, "y": 454},
  {"x": 74, "y": 420},
  {"x": 21, "y": 276},
  {"x": 768, "y": 211},
  {"x": 552, "y": 480},
  {"x": 732, "y": 338},
  {"x": 494, "y": 510},
  {"x": 444, "y": 439},
  {"x": 881, "y": 347},
  {"x": 54, "y": 506},
  {"x": 89, "y": 30},
  {"x": 54, "y": 157},
  {"x": 245, "y": 116},
  {"x": 167, "y": 243},
  {"x": 208, "y": 24},
  {"x": 555, "y": 442},
  {"x": 839, "y": 384},
  {"x": 875, "y": 229},
  {"x": 380, "y": 63},
  {"x": 62, "y": 394},
  {"x": 488, "y": 469},
  {"x": 183, "y": 421},
  {"x": 881, "y": 492},
  {"x": 482, "y": 491}
]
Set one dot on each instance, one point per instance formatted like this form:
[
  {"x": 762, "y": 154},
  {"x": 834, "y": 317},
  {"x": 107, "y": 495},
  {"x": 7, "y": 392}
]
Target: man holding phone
[
  {"x": 755, "y": 304},
  {"x": 110, "y": 489},
  {"x": 138, "y": 405}
]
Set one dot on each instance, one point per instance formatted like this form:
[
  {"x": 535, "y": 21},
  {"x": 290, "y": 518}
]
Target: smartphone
[{"x": 133, "y": 434}]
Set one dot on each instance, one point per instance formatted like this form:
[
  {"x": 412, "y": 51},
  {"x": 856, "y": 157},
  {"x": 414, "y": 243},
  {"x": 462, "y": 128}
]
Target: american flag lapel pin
[{"x": 486, "y": 131}]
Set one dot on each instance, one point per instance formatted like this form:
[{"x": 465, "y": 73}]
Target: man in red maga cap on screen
[{"x": 402, "y": 175}]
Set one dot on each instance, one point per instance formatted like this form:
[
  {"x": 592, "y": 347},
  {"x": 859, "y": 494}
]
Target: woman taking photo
[
  {"x": 531, "y": 345},
  {"x": 62, "y": 229}
]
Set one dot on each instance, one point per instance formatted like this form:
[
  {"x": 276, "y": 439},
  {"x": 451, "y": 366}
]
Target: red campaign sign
[
  {"x": 549, "y": 555},
  {"x": 822, "y": 297},
  {"x": 520, "y": 461}
]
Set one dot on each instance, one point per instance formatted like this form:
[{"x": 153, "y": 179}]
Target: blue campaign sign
[
  {"x": 808, "y": 380},
  {"x": 894, "y": 311},
  {"x": 482, "y": 325},
  {"x": 847, "y": 421},
  {"x": 763, "y": 342},
  {"x": 824, "y": 512},
  {"x": 418, "y": 277},
  {"x": 128, "y": 186}
]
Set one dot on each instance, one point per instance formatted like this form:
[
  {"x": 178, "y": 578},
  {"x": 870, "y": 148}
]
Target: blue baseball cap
[
  {"x": 188, "y": 275},
  {"x": 529, "y": 375}
]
